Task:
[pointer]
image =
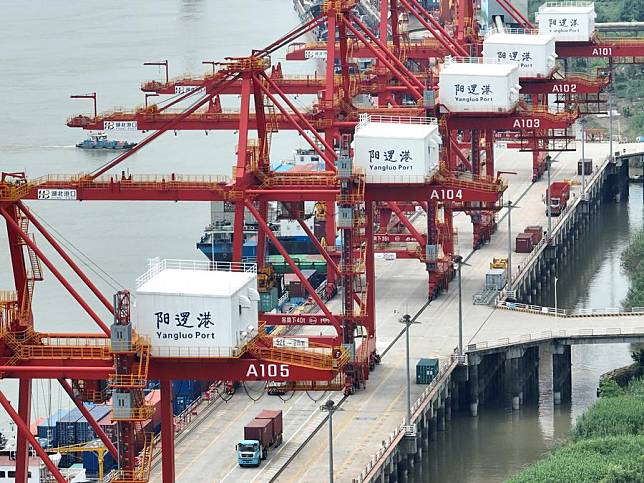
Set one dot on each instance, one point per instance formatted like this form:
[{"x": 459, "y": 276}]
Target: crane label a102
[
  {"x": 262, "y": 370},
  {"x": 527, "y": 123},
  {"x": 564, "y": 88},
  {"x": 120, "y": 126},
  {"x": 446, "y": 194}
]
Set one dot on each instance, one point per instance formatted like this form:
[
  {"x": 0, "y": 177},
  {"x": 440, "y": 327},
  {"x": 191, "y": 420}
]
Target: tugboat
[{"x": 99, "y": 141}]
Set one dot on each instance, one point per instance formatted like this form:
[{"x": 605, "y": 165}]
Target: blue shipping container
[
  {"x": 47, "y": 430},
  {"x": 84, "y": 431},
  {"x": 90, "y": 463}
]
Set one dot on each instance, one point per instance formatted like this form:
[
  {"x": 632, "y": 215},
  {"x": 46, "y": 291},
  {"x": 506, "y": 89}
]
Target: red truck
[
  {"x": 559, "y": 196},
  {"x": 260, "y": 434}
]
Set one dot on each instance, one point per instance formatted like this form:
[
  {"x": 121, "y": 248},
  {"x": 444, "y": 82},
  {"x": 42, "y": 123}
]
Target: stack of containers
[
  {"x": 479, "y": 84},
  {"x": 46, "y": 429},
  {"x": 567, "y": 21},
  {"x": 83, "y": 430},
  {"x": 533, "y": 53}
]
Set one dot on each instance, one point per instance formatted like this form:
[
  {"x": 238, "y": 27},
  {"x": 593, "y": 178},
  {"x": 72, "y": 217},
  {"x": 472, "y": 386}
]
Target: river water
[
  {"x": 51, "y": 50},
  {"x": 500, "y": 441},
  {"x": 54, "y": 49}
]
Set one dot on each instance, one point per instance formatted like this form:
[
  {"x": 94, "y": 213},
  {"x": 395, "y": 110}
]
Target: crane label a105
[
  {"x": 262, "y": 370},
  {"x": 564, "y": 88},
  {"x": 446, "y": 194},
  {"x": 527, "y": 123}
]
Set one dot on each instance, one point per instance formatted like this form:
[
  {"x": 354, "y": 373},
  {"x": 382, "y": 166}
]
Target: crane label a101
[
  {"x": 564, "y": 88},
  {"x": 601, "y": 51},
  {"x": 262, "y": 370},
  {"x": 527, "y": 123},
  {"x": 446, "y": 194}
]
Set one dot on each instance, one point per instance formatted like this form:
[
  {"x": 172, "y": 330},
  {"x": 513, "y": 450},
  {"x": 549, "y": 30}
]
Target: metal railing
[
  {"x": 196, "y": 352},
  {"x": 157, "y": 266},
  {"x": 567, "y": 313},
  {"x": 476, "y": 60},
  {"x": 556, "y": 334},
  {"x": 512, "y": 31},
  {"x": 566, "y": 3},
  {"x": 389, "y": 444}
]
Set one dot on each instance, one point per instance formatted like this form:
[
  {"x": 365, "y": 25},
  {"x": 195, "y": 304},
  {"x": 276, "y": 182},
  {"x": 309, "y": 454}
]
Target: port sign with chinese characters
[{"x": 56, "y": 194}]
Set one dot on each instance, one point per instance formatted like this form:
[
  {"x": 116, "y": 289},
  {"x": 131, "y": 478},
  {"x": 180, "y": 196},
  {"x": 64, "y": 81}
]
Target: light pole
[
  {"x": 509, "y": 245},
  {"x": 556, "y": 313},
  {"x": 458, "y": 260},
  {"x": 330, "y": 407},
  {"x": 408, "y": 321},
  {"x": 610, "y": 121},
  {"x": 582, "y": 122}
]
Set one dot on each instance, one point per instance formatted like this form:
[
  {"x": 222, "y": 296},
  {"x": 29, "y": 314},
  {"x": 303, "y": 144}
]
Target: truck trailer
[{"x": 260, "y": 434}]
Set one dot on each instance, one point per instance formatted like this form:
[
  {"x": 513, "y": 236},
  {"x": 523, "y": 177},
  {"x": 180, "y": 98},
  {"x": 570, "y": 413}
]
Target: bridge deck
[{"x": 370, "y": 416}]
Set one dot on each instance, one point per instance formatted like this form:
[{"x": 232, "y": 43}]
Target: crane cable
[{"x": 249, "y": 395}]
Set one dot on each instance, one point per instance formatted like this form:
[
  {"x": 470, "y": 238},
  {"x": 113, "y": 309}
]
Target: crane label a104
[
  {"x": 446, "y": 194},
  {"x": 262, "y": 370}
]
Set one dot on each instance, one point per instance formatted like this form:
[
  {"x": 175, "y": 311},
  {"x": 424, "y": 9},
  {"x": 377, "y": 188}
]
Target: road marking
[{"x": 222, "y": 432}]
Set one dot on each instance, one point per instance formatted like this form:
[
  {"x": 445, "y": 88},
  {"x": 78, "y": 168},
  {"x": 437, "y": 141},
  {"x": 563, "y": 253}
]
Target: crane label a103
[
  {"x": 527, "y": 123},
  {"x": 263, "y": 370},
  {"x": 446, "y": 194}
]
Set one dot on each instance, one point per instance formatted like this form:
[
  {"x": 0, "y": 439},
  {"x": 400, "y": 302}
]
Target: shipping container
[
  {"x": 260, "y": 430},
  {"x": 426, "y": 370},
  {"x": 533, "y": 53},
  {"x": 84, "y": 431},
  {"x": 90, "y": 463},
  {"x": 268, "y": 300},
  {"x": 396, "y": 149},
  {"x": 275, "y": 416},
  {"x": 568, "y": 21},
  {"x": 47, "y": 428},
  {"x": 187, "y": 309},
  {"x": 294, "y": 286},
  {"x": 536, "y": 231},
  {"x": 495, "y": 278},
  {"x": 479, "y": 85},
  {"x": 524, "y": 243}
]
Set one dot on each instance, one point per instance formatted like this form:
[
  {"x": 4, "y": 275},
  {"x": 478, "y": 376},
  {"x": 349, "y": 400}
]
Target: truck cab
[{"x": 249, "y": 452}]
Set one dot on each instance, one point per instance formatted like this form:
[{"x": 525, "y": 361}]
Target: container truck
[
  {"x": 559, "y": 195},
  {"x": 263, "y": 432}
]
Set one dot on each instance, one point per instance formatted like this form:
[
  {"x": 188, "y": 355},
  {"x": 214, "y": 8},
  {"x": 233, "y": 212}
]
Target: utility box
[
  {"x": 426, "y": 370},
  {"x": 192, "y": 308},
  {"x": 345, "y": 217},
  {"x": 344, "y": 167},
  {"x": 496, "y": 278},
  {"x": 587, "y": 167},
  {"x": 567, "y": 21},
  {"x": 479, "y": 85},
  {"x": 121, "y": 337},
  {"x": 533, "y": 53},
  {"x": 122, "y": 405},
  {"x": 397, "y": 149}
]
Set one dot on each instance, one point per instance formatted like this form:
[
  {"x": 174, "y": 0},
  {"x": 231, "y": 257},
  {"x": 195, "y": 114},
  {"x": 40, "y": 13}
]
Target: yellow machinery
[
  {"x": 499, "y": 263},
  {"x": 95, "y": 446}
]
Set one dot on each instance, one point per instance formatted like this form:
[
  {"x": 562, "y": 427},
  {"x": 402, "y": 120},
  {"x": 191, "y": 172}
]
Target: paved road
[{"x": 369, "y": 416}]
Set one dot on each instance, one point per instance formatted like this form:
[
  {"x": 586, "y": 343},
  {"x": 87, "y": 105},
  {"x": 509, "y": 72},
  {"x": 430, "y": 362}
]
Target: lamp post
[
  {"x": 549, "y": 165},
  {"x": 510, "y": 245},
  {"x": 330, "y": 407},
  {"x": 458, "y": 260},
  {"x": 556, "y": 312},
  {"x": 582, "y": 122},
  {"x": 408, "y": 321}
]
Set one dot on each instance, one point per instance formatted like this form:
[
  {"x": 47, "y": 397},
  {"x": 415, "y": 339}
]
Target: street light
[
  {"x": 458, "y": 260},
  {"x": 330, "y": 407},
  {"x": 408, "y": 321},
  {"x": 556, "y": 312},
  {"x": 582, "y": 122}
]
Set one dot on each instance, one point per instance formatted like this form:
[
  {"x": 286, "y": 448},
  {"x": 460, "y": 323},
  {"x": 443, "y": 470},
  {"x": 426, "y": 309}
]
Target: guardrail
[
  {"x": 557, "y": 223},
  {"x": 157, "y": 266},
  {"x": 555, "y": 334},
  {"x": 567, "y": 313},
  {"x": 388, "y": 445}
]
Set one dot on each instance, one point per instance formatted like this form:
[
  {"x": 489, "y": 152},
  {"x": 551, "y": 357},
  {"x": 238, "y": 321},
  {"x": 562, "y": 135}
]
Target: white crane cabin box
[
  {"x": 396, "y": 149},
  {"x": 567, "y": 21},
  {"x": 533, "y": 53},
  {"x": 197, "y": 308},
  {"x": 478, "y": 84}
]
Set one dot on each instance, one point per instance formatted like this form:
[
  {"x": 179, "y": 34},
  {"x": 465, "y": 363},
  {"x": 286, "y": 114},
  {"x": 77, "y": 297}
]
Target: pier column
[
  {"x": 473, "y": 386},
  {"x": 561, "y": 373},
  {"x": 440, "y": 416},
  {"x": 433, "y": 422},
  {"x": 514, "y": 375}
]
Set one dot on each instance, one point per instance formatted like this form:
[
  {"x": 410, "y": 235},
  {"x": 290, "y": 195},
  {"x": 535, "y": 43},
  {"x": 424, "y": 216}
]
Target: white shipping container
[
  {"x": 187, "y": 310},
  {"x": 479, "y": 87},
  {"x": 397, "y": 150},
  {"x": 534, "y": 54},
  {"x": 567, "y": 21}
]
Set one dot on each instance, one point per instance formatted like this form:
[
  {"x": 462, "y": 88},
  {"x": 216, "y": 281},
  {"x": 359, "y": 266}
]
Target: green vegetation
[
  {"x": 633, "y": 265},
  {"x": 607, "y": 443}
]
